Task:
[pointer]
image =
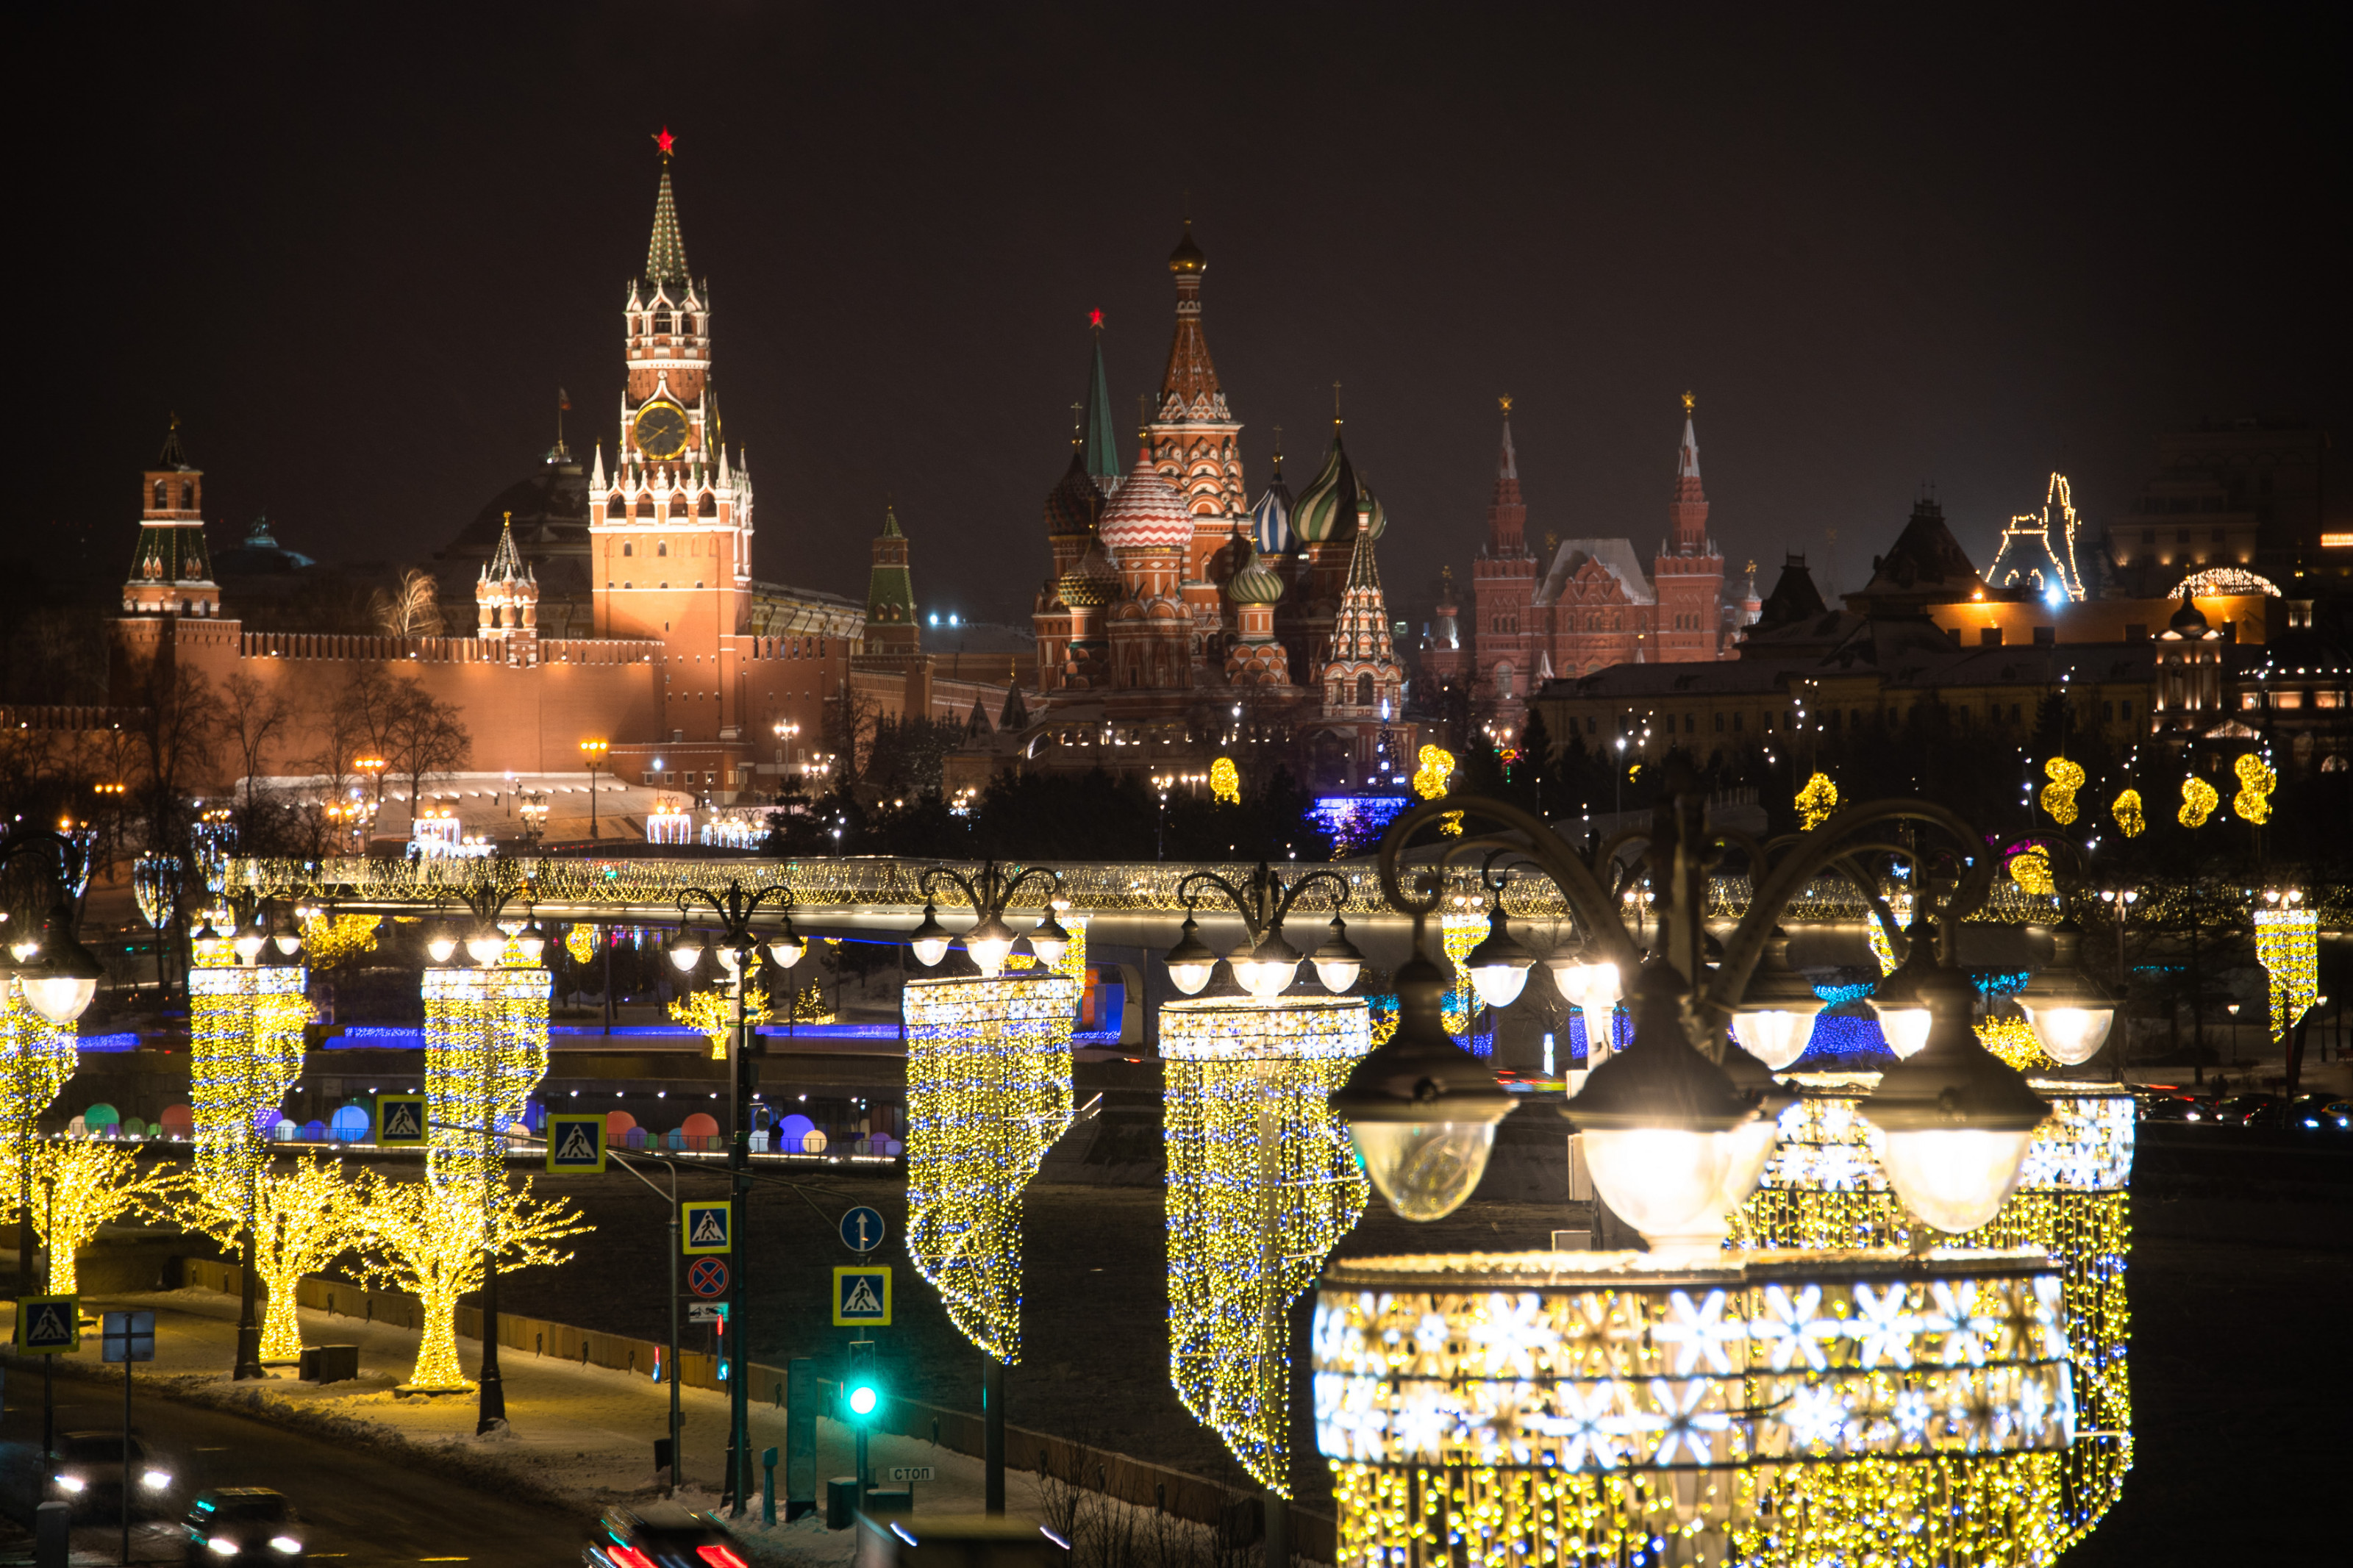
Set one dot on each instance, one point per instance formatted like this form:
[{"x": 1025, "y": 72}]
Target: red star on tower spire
[
  {"x": 1094, "y": 319},
  {"x": 665, "y": 140}
]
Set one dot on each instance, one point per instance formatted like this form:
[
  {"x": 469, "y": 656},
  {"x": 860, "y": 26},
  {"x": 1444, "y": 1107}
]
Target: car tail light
[
  {"x": 630, "y": 1557},
  {"x": 720, "y": 1557}
]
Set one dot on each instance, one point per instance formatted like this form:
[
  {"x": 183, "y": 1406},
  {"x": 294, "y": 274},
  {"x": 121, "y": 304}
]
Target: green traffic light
[{"x": 861, "y": 1400}]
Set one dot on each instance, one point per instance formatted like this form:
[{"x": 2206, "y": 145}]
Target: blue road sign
[
  {"x": 861, "y": 1230},
  {"x": 575, "y": 1143},
  {"x": 706, "y": 1226},
  {"x": 862, "y": 1295},
  {"x": 48, "y": 1325},
  {"x": 128, "y": 1336}
]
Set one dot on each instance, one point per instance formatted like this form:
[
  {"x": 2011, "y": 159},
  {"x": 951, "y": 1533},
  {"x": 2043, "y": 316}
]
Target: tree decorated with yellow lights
[
  {"x": 330, "y": 941},
  {"x": 1816, "y": 802},
  {"x": 426, "y": 1237},
  {"x": 2015, "y": 1042},
  {"x": 1262, "y": 1181},
  {"x": 2127, "y": 814},
  {"x": 2059, "y": 794},
  {"x": 1226, "y": 781},
  {"x": 2198, "y": 801},
  {"x": 305, "y": 1216},
  {"x": 712, "y": 1015},
  {"x": 2256, "y": 782},
  {"x": 80, "y": 1184}
]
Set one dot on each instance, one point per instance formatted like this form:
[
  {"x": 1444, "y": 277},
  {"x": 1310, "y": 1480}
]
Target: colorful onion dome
[
  {"x": 1147, "y": 513},
  {"x": 1091, "y": 584},
  {"x": 1255, "y": 583},
  {"x": 1372, "y": 518},
  {"x": 1073, "y": 504},
  {"x": 1270, "y": 518},
  {"x": 1318, "y": 518}
]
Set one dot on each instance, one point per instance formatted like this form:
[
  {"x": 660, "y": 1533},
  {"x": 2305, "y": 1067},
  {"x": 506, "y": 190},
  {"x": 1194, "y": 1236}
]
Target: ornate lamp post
[
  {"x": 739, "y": 945},
  {"x": 155, "y": 884},
  {"x": 56, "y": 978},
  {"x": 594, "y": 752}
]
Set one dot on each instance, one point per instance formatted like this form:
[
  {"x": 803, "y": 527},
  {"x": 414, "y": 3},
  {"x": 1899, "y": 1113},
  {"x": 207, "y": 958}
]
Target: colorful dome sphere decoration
[{"x": 1147, "y": 514}]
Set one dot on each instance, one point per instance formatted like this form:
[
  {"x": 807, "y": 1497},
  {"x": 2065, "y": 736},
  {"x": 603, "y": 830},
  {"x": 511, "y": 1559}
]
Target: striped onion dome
[
  {"x": 1147, "y": 513},
  {"x": 1254, "y": 583},
  {"x": 1317, "y": 519},
  {"x": 1089, "y": 585},
  {"x": 1270, "y": 518},
  {"x": 1072, "y": 504},
  {"x": 1372, "y": 518}
]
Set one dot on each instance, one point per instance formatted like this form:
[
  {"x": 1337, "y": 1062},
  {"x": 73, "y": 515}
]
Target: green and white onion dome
[{"x": 1255, "y": 583}]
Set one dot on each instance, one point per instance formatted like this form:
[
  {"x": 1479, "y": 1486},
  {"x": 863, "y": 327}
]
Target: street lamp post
[
  {"x": 738, "y": 948},
  {"x": 58, "y": 978},
  {"x": 595, "y": 752}
]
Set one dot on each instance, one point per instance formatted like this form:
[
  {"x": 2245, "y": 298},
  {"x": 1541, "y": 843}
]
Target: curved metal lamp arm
[
  {"x": 736, "y": 914},
  {"x": 1300, "y": 884},
  {"x": 2078, "y": 879},
  {"x": 926, "y": 878},
  {"x": 1005, "y": 893},
  {"x": 1596, "y": 912},
  {"x": 1818, "y": 851}
]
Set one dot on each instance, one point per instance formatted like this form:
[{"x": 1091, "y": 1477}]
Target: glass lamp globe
[
  {"x": 1337, "y": 962},
  {"x": 729, "y": 958},
  {"x": 440, "y": 942},
  {"x": 1421, "y": 1109},
  {"x": 1049, "y": 940},
  {"x": 486, "y": 944},
  {"x": 787, "y": 946},
  {"x": 1657, "y": 1123},
  {"x": 249, "y": 940},
  {"x": 532, "y": 942},
  {"x": 685, "y": 950},
  {"x": 2070, "y": 1013},
  {"x": 1775, "y": 1020},
  {"x": 62, "y": 988},
  {"x": 990, "y": 943},
  {"x": 1268, "y": 968},
  {"x": 1499, "y": 965},
  {"x": 1903, "y": 1013},
  {"x": 1190, "y": 961},
  {"x": 288, "y": 940},
  {"x": 1957, "y": 1119},
  {"x": 929, "y": 940}
]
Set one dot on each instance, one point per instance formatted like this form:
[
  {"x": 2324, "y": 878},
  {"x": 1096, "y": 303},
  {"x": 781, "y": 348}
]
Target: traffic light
[{"x": 862, "y": 1390}]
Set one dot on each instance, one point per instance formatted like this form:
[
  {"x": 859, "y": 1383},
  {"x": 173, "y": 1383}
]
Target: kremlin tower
[
  {"x": 1688, "y": 571},
  {"x": 171, "y": 572}
]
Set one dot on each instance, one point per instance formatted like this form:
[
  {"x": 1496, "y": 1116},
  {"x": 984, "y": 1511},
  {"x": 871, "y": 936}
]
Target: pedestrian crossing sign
[
  {"x": 575, "y": 1143},
  {"x": 400, "y": 1121},
  {"x": 862, "y": 1295},
  {"x": 48, "y": 1325},
  {"x": 706, "y": 1225}
]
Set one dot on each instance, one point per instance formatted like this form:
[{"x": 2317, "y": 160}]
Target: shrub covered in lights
[{"x": 1262, "y": 1181}]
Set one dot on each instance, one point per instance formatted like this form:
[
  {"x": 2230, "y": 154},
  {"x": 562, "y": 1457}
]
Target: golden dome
[{"x": 1187, "y": 257}]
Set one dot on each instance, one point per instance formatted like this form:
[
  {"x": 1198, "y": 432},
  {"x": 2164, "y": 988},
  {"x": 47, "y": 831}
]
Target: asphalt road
[{"x": 360, "y": 1510}]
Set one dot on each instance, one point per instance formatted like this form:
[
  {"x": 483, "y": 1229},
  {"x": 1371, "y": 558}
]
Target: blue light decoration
[{"x": 1357, "y": 822}]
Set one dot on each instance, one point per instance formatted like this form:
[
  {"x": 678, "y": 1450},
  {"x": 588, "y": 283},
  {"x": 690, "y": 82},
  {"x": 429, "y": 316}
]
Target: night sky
[{"x": 359, "y": 249}]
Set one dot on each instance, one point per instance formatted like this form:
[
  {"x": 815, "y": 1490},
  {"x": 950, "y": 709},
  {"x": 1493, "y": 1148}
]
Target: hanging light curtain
[
  {"x": 500, "y": 1009},
  {"x": 1262, "y": 1181},
  {"x": 245, "y": 1051}
]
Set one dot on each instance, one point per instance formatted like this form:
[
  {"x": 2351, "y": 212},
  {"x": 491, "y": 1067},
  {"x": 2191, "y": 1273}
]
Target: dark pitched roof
[
  {"x": 1926, "y": 565},
  {"x": 1794, "y": 598}
]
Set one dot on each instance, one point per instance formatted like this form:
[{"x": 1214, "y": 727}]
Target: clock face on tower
[{"x": 661, "y": 429}]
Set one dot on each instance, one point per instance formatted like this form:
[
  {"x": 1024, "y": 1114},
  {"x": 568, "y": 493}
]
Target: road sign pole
[
  {"x": 674, "y": 1421},
  {"x": 739, "y": 1328},
  {"x": 126, "y": 1460},
  {"x": 992, "y": 1434}
]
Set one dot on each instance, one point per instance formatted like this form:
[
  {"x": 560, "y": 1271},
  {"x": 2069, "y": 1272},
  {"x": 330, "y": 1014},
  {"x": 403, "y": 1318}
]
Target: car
[
  {"x": 245, "y": 1521},
  {"x": 88, "y": 1478},
  {"x": 2325, "y": 1112},
  {"x": 2174, "y": 1108},
  {"x": 661, "y": 1535},
  {"x": 2256, "y": 1109}
]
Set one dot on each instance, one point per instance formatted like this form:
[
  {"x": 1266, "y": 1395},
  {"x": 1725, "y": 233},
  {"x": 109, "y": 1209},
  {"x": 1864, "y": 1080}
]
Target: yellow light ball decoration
[
  {"x": 1226, "y": 781},
  {"x": 1434, "y": 767},
  {"x": 1534, "y": 1409},
  {"x": 2287, "y": 944},
  {"x": 988, "y": 1091},
  {"x": 2256, "y": 782},
  {"x": 2127, "y": 812},
  {"x": 712, "y": 1013},
  {"x": 1824, "y": 1187},
  {"x": 580, "y": 942},
  {"x": 1816, "y": 802},
  {"x": 2030, "y": 869},
  {"x": 2059, "y": 794},
  {"x": 1262, "y": 1181},
  {"x": 1459, "y": 931},
  {"x": 2198, "y": 801}
]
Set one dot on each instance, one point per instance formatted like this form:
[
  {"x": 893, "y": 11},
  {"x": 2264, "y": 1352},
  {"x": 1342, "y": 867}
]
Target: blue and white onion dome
[{"x": 1270, "y": 518}]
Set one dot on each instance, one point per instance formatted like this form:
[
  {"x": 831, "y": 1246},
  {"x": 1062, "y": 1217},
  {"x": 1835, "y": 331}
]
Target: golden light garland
[
  {"x": 245, "y": 1051},
  {"x": 79, "y": 1184},
  {"x": 1226, "y": 781},
  {"x": 1824, "y": 1187},
  {"x": 2059, "y": 794},
  {"x": 2030, "y": 869},
  {"x": 580, "y": 942},
  {"x": 426, "y": 1237},
  {"x": 989, "y": 1092},
  {"x": 485, "y": 1051},
  {"x": 1526, "y": 1410},
  {"x": 1460, "y": 930},
  {"x": 1816, "y": 802},
  {"x": 2287, "y": 944},
  {"x": 1876, "y": 930},
  {"x": 330, "y": 940},
  {"x": 1434, "y": 767},
  {"x": 2126, "y": 813},
  {"x": 2256, "y": 782},
  {"x": 2015, "y": 1042},
  {"x": 1262, "y": 1181},
  {"x": 2198, "y": 801},
  {"x": 712, "y": 1013}
]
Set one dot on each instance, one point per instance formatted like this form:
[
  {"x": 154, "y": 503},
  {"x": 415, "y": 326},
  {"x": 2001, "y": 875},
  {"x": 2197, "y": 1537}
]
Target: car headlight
[
  {"x": 71, "y": 1484},
  {"x": 284, "y": 1544},
  {"x": 156, "y": 1480},
  {"x": 221, "y": 1547}
]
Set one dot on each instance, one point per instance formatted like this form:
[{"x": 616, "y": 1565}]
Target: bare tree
[
  {"x": 253, "y": 717},
  {"x": 178, "y": 729},
  {"x": 850, "y": 718},
  {"x": 423, "y": 737},
  {"x": 410, "y": 609}
]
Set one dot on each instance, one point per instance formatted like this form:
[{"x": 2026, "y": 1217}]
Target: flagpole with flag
[{"x": 562, "y": 407}]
